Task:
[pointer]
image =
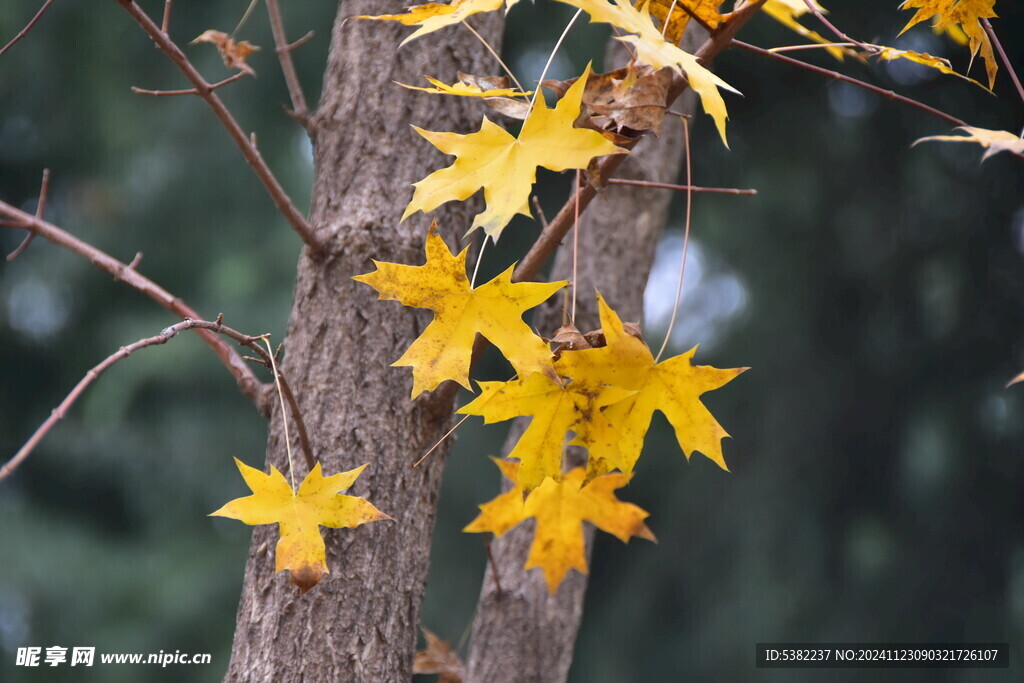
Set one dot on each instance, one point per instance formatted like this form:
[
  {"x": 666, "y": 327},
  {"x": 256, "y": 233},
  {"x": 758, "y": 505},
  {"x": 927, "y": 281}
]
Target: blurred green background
[{"x": 877, "y": 291}]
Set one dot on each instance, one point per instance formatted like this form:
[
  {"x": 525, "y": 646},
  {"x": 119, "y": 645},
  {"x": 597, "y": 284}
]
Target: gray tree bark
[
  {"x": 360, "y": 623},
  {"x": 522, "y": 633}
]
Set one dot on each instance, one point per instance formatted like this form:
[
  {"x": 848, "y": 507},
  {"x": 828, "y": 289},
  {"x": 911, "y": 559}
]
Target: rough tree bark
[
  {"x": 522, "y": 633},
  {"x": 360, "y": 623}
]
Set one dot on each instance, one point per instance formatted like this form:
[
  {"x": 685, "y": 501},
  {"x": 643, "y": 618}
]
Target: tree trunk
[
  {"x": 360, "y": 622},
  {"x": 522, "y": 633}
]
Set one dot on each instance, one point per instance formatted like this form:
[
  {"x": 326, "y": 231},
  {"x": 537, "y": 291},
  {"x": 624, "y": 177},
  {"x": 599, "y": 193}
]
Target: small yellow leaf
[
  {"x": 434, "y": 16},
  {"x": 234, "y": 54},
  {"x": 300, "y": 515},
  {"x": 493, "y": 309},
  {"x": 505, "y": 167},
  {"x": 994, "y": 141},
  {"x": 465, "y": 90},
  {"x": 938, "y": 63}
]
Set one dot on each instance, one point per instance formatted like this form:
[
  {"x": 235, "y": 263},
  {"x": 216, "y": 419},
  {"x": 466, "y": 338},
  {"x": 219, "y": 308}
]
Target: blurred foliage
[{"x": 877, "y": 291}]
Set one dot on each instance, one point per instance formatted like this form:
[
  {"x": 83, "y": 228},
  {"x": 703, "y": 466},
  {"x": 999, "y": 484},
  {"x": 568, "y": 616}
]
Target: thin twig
[
  {"x": 300, "y": 112},
  {"x": 540, "y": 212},
  {"x": 300, "y": 42},
  {"x": 1002, "y": 56},
  {"x": 248, "y": 383},
  {"x": 162, "y": 338},
  {"x": 576, "y": 243},
  {"x": 870, "y": 49},
  {"x": 188, "y": 91},
  {"x": 852, "y": 81},
  {"x": 252, "y": 155},
  {"x": 686, "y": 242},
  {"x": 44, "y": 190},
  {"x": 808, "y": 46},
  {"x": 494, "y": 54},
  {"x": 494, "y": 566},
  {"x": 681, "y": 188},
  {"x": 28, "y": 27},
  {"x": 440, "y": 441},
  {"x": 245, "y": 17},
  {"x": 165, "y": 25}
]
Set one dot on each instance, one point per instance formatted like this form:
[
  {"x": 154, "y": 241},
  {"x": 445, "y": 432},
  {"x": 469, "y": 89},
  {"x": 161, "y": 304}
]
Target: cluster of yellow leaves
[
  {"x": 603, "y": 398},
  {"x": 965, "y": 15},
  {"x": 505, "y": 166},
  {"x": 607, "y": 400},
  {"x": 300, "y": 514}
]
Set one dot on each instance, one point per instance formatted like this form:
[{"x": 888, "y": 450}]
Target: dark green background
[{"x": 877, "y": 291}]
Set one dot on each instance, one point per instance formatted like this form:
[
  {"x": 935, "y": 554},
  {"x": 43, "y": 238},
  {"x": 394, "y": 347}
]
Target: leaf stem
[
  {"x": 494, "y": 54},
  {"x": 686, "y": 242},
  {"x": 284, "y": 415},
  {"x": 551, "y": 58}
]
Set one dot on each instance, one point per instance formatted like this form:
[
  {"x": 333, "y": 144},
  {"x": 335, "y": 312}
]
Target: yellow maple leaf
[
  {"x": 560, "y": 508},
  {"x": 493, "y": 309},
  {"x": 465, "y": 89},
  {"x": 434, "y": 16},
  {"x": 506, "y": 166},
  {"x": 300, "y": 515},
  {"x": 967, "y": 14},
  {"x": 682, "y": 11},
  {"x": 651, "y": 48},
  {"x": 671, "y": 386},
  {"x": 556, "y": 410},
  {"x": 994, "y": 141}
]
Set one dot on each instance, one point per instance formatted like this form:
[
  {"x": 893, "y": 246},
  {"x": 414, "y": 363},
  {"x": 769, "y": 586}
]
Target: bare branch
[
  {"x": 23, "y": 32},
  {"x": 247, "y": 382},
  {"x": 162, "y": 338},
  {"x": 189, "y": 91},
  {"x": 300, "y": 112},
  {"x": 853, "y": 81},
  {"x": 280, "y": 198},
  {"x": 44, "y": 190}
]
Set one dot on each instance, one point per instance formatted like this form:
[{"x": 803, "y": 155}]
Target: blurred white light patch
[
  {"x": 37, "y": 309},
  {"x": 713, "y": 299},
  {"x": 851, "y": 102},
  {"x": 532, "y": 63},
  {"x": 1018, "y": 229}
]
